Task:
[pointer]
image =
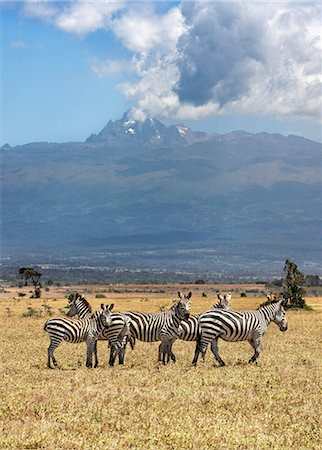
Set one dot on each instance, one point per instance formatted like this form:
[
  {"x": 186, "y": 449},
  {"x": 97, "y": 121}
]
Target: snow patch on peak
[
  {"x": 182, "y": 129},
  {"x": 128, "y": 122}
]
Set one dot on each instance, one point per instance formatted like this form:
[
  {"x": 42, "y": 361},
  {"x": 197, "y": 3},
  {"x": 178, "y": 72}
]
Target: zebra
[
  {"x": 239, "y": 326},
  {"x": 189, "y": 328},
  {"x": 117, "y": 333},
  {"x": 161, "y": 326},
  {"x": 77, "y": 330}
]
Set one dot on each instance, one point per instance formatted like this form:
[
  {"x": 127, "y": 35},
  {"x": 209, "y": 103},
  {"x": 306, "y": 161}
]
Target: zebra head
[
  {"x": 182, "y": 307},
  {"x": 223, "y": 301},
  {"x": 280, "y": 318},
  {"x": 72, "y": 302},
  {"x": 106, "y": 314}
]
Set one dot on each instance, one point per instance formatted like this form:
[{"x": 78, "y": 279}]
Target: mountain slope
[{"x": 239, "y": 192}]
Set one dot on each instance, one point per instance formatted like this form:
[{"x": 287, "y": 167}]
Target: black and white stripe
[
  {"x": 77, "y": 330},
  {"x": 189, "y": 328},
  {"x": 238, "y": 326},
  {"x": 117, "y": 333},
  {"x": 161, "y": 326}
]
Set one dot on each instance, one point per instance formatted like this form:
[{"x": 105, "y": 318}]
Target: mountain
[
  {"x": 150, "y": 132},
  {"x": 149, "y": 195}
]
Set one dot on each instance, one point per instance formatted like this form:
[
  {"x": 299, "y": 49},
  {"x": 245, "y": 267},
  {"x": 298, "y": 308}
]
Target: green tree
[
  {"x": 27, "y": 273},
  {"x": 293, "y": 283}
]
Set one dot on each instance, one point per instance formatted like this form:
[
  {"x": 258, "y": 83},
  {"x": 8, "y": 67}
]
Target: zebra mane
[
  {"x": 86, "y": 303},
  {"x": 269, "y": 302}
]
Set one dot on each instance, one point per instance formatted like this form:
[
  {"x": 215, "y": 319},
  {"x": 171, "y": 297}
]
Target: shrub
[{"x": 32, "y": 312}]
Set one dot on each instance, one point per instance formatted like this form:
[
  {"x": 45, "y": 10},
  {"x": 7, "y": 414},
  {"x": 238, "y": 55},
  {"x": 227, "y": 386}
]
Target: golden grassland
[{"x": 274, "y": 405}]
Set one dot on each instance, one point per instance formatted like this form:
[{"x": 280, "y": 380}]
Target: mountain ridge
[{"x": 223, "y": 192}]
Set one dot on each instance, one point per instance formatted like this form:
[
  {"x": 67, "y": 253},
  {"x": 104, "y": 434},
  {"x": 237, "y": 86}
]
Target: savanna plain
[{"x": 142, "y": 405}]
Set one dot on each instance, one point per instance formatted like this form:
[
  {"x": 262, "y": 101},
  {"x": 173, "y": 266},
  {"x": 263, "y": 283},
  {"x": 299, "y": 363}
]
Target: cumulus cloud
[
  {"x": 85, "y": 17},
  {"x": 78, "y": 17},
  {"x": 228, "y": 58},
  {"x": 197, "y": 59}
]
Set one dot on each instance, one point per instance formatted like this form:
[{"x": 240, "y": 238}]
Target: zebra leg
[
  {"x": 201, "y": 347},
  {"x": 90, "y": 349},
  {"x": 95, "y": 355},
  {"x": 214, "y": 349},
  {"x": 164, "y": 352},
  {"x": 121, "y": 356},
  {"x": 112, "y": 356},
  {"x": 54, "y": 343},
  {"x": 122, "y": 350},
  {"x": 197, "y": 351},
  {"x": 256, "y": 344},
  {"x": 161, "y": 354},
  {"x": 203, "y": 354},
  {"x": 171, "y": 354}
]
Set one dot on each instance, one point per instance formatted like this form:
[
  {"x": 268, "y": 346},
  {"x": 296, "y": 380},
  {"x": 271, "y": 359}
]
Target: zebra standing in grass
[
  {"x": 239, "y": 326},
  {"x": 161, "y": 326},
  {"x": 117, "y": 333},
  {"x": 189, "y": 328},
  {"x": 77, "y": 330}
]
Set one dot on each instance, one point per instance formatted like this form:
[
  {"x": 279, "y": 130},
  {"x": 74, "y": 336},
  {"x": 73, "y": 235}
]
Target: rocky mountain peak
[{"x": 148, "y": 132}]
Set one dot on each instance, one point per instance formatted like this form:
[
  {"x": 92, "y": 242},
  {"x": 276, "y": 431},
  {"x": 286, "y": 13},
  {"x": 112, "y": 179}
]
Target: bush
[{"x": 33, "y": 312}]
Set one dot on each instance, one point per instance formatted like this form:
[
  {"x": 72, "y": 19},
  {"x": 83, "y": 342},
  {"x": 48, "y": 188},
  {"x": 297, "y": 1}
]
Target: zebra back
[
  {"x": 148, "y": 327},
  {"x": 119, "y": 328},
  {"x": 240, "y": 325},
  {"x": 78, "y": 330},
  {"x": 190, "y": 328}
]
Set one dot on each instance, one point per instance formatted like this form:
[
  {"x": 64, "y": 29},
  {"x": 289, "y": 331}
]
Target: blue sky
[{"x": 67, "y": 68}]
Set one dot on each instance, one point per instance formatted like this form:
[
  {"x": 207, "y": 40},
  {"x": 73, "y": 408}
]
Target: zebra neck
[
  {"x": 176, "y": 320},
  {"x": 97, "y": 321},
  {"x": 82, "y": 309},
  {"x": 268, "y": 313}
]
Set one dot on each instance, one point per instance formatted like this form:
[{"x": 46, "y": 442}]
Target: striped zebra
[
  {"x": 117, "y": 333},
  {"x": 189, "y": 328},
  {"x": 161, "y": 326},
  {"x": 239, "y": 326},
  {"x": 77, "y": 330}
]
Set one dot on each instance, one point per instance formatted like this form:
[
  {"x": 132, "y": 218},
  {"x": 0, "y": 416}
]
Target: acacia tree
[
  {"x": 27, "y": 273},
  {"x": 293, "y": 283}
]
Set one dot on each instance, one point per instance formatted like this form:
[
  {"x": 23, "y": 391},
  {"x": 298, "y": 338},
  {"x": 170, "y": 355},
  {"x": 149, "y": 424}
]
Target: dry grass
[{"x": 274, "y": 405}]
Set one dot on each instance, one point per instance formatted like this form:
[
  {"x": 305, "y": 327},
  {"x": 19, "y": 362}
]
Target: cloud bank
[{"x": 191, "y": 60}]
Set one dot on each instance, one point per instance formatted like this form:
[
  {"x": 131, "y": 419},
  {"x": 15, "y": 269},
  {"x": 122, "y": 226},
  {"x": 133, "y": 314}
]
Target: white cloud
[
  {"x": 82, "y": 18},
  {"x": 76, "y": 17},
  {"x": 204, "y": 58},
  {"x": 40, "y": 9}
]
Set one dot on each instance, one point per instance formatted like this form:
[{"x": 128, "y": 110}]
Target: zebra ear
[
  {"x": 111, "y": 307},
  {"x": 220, "y": 297},
  {"x": 103, "y": 306},
  {"x": 179, "y": 294},
  {"x": 284, "y": 302},
  {"x": 189, "y": 295}
]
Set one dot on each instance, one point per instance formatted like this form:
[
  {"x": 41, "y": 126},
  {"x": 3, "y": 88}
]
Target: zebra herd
[{"x": 167, "y": 326}]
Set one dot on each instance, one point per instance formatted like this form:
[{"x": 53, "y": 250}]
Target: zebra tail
[{"x": 45, "y": 326}]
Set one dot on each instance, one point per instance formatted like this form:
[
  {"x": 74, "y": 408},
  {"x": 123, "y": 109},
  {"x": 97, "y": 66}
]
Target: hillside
[{"x": 170, "y": 196}]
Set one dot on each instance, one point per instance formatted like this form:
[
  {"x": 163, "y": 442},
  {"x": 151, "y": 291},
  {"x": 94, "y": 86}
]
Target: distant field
[{"x": 276, "y": 405}]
